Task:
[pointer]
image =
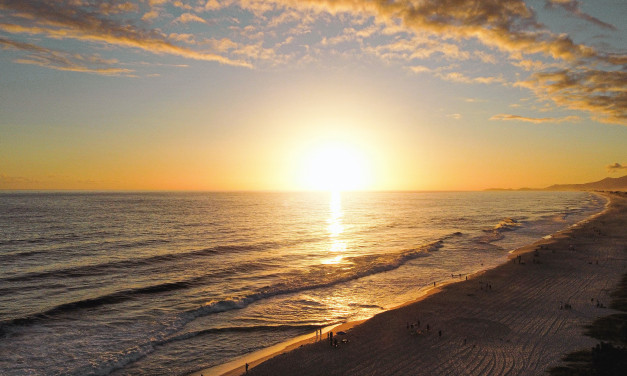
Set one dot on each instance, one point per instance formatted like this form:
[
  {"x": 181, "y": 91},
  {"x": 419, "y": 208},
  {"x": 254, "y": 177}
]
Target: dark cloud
[{"x": 616, "y": 167}]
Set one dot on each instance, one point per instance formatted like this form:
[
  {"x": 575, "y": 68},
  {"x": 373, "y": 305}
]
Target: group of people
[{"x": 330, "y": 337}]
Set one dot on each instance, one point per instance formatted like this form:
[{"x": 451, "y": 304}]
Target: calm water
[{"x": 170, "y": 283}]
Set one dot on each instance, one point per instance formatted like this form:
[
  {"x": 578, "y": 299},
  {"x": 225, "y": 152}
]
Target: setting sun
[{"x": 336, "y": 167}]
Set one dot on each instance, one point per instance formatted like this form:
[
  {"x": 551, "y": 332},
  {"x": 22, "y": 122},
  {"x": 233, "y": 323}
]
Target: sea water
[{"x": 97, "y": 283}]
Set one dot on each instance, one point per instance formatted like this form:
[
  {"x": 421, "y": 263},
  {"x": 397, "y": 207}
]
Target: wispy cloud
[
  {"x": 62, "y": 19},
  {"x": 510, "y": 117},
  {"x": 574, "y": 7},
  {"x": 461, "y": 78},
  {"x": 60, "y": 60}
]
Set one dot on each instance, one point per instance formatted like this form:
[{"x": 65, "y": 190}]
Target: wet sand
[{"x": 518, "y": 319}]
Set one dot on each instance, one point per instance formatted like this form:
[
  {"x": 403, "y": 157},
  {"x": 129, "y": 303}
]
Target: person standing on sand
[{"x": 246, "y": 368}]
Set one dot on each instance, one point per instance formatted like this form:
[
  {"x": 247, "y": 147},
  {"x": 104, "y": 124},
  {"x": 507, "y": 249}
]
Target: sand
[{"x": 520, "y": 318}]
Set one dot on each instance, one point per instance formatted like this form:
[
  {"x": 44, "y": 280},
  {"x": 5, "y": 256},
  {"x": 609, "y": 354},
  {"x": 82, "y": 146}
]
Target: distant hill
[{"x": 606, "y": 184}]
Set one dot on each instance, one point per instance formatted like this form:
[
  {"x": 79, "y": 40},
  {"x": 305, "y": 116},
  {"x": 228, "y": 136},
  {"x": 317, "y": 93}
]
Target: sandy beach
[{"x": 520, "y": 318}]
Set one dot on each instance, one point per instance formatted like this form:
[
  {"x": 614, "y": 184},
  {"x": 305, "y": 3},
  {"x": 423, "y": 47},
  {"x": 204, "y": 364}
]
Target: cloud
[
  {"x": 616, "y": 167},
  {"x": 474, "y": 100},
  {"x": 60, "y": 60},
  {"x": 555, "y": 68},
  {"x": 511, "y": 27},
  {"x": 573, "y": 7},
  {"x": 602, "y": 93},
  {"x": 63, "y": 19},
  {"x": 507, "y": 25},
  {"x": 454, "y": 116},
  {"x": 461, "y": 78},
  {"x": 420, "y": 69},
  {"x": 189, "y": 17},
  {"x": 109, "y": 8},
  {"x": 526, "y": 119}
]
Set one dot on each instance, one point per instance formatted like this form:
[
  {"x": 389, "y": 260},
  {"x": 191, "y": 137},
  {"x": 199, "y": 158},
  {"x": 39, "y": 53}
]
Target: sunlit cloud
[
  {"x": 66, "y": 19},
  {"x": 461, "y": 78},
  {"x": 189, "y": 17},
  {"x": 602, "y": 93},
  {"x": 464, "y": 42},
  {"x": 509, "y": 117}
]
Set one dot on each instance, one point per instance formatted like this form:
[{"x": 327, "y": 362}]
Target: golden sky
[{"x": 311, "y": 94}]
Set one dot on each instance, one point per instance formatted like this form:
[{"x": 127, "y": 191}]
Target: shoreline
[
  {"x": 519, "y": 318},
  {"x": 271, "y": 354}
]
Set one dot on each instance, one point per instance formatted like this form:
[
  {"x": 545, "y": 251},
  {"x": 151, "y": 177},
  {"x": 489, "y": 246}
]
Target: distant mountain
[{"x": 607, "y": 184}]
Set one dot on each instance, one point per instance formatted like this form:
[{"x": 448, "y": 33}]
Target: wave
[
  {"x": 497, "y": 232},
  {"x": 110, "y": 267},
  {"x": 241, "y": 329},
  {"x": 60, "y": 246},
  {"x": 317, "y": 277},
  {"x": 113, "y": 298},
  {"x": 374, "y": 264},
  {"x": 507, "y": 224},
  {"x": 132, "y": 355}
]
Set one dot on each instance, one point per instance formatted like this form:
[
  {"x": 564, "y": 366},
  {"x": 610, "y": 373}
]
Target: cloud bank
[{"x": 461, "y": 41}]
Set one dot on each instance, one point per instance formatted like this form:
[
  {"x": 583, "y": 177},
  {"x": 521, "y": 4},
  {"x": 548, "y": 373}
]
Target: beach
[{"x": 519, "y": 318}]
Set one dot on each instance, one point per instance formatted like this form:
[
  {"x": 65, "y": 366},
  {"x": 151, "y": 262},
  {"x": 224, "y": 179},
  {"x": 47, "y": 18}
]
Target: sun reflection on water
[{"x": 335, "y": 228}]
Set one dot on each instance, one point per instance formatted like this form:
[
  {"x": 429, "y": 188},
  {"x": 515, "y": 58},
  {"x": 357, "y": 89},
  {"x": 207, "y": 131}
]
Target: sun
[{"x": 336, "y": 166}]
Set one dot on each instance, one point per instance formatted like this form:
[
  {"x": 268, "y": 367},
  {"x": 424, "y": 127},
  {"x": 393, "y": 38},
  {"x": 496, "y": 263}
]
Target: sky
[{"x": 311, "y": 94}]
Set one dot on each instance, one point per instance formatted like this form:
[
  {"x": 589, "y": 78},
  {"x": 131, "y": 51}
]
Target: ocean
[{"x": 168, "y": 283}]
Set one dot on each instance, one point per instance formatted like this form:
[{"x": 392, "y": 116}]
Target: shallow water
[{"x": 170, "y": 283}]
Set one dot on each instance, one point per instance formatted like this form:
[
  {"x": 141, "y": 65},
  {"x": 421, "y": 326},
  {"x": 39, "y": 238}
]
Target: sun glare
[{"x": 336, "y": 167}]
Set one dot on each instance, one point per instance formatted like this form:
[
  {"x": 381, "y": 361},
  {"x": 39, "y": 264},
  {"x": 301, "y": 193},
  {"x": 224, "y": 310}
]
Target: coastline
[{"x": 272, "y": 358}]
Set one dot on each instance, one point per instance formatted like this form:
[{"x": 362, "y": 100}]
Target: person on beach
[{"x": 246, "y": 368}]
